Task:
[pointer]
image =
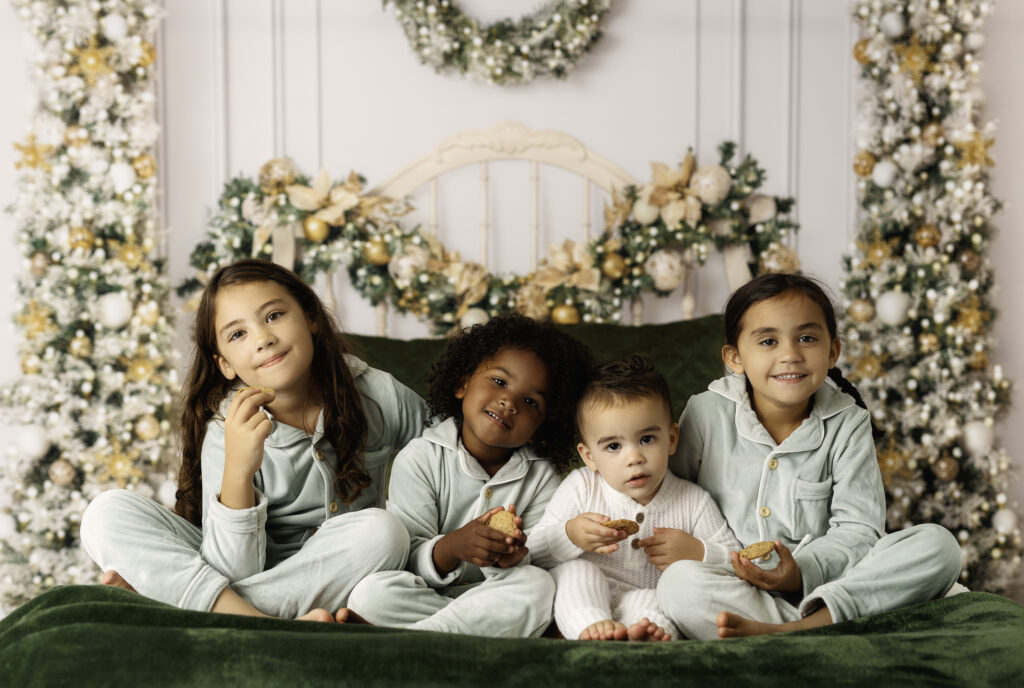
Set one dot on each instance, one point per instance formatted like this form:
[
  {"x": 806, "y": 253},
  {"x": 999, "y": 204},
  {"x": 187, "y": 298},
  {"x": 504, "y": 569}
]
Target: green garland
[
  {"x": 651, "y": 232},
  {"x": 548, "y": 42}
]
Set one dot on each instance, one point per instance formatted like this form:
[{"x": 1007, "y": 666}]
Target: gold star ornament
[
  {"x": 91, "y": 61},
  {"x": 33, "y": 154},
  {"x": 914, "y": 58},
  {"x": 975, "y": 151},
  {"x": 118, "y": 465}
]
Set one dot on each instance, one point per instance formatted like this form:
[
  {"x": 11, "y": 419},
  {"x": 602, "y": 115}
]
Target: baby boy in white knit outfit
[{"x": 606, "y": 590}]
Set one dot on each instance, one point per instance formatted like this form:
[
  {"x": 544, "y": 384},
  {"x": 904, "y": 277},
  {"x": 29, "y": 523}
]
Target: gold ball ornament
[
  {"x": 946, "y": 468},
  {"x": 860, "y": 51},
  {"x": 38, "y": 263},
  {"x": 148, "y": 312},
  {"x": 861, "y": 310},
  {"x": 932, "y": 133},
  {"x": 565, "y": 315},
  {"x": 30, "y": 364},
  {"x": 779, "y": 259},
  {"x": 927, "y": 236},
  {"x": 145, "y": 166},
  {"x": 969, "y": 260},
  {"x": 275, "y": 174},
  {"x": 376, "y": 251},
  {"x": 613, "y": 266},
  {"x": 75, "y": 136},
  {"x": 147, "y": 427},
  {"x": 315, "y": 229},
  {"x": 81, "y": 237},
  {"x": 863, "y": 163},
  {"x": 80, "y": 346},
  {"x": 61, "y": 472},
  {"x": 148, "y": 55},
  {"x": 978, "y": 360},
  {"x": 928, "y": 342}
]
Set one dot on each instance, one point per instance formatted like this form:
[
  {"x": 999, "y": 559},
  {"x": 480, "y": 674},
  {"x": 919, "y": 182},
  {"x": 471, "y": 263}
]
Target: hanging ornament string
[{"x": 548, "y": 42}]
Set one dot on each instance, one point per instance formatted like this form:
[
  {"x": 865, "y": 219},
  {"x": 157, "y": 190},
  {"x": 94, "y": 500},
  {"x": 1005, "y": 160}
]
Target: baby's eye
[
  {"x": 612, "y": 446},
  {"x": 499, "y": 381},
  {"x": 648, "y": 439},
  {"x": 530, "y": 401},
  {"x": 271, "y": 317},
  {"x": 767, "y": 342}
]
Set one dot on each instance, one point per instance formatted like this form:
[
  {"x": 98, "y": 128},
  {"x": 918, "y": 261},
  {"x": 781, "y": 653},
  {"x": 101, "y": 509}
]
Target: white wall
[{"x": 335, "y": 84}]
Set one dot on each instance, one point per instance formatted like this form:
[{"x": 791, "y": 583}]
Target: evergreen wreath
[
  {"x": 652, "y": 233},
  {"x": 547, "y": 42}
]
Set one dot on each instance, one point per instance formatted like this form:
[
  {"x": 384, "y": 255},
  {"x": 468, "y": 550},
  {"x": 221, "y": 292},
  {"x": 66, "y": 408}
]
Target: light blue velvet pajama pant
[{"x": 157, "y": 553}]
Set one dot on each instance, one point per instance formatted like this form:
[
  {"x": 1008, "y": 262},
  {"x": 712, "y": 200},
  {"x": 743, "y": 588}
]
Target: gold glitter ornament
[
  {"x": 118, "y": 465},
  {"x": 946, "y": 468},
  {"x": 275, "y": 174},
  {"x": 38, "y": 263},
  {"x": 972, "y": 317},
  {"x": 61, "y": 472},
  {"x": 927, "y": 236},
  {"x": 779, "y": 259},
  {"x": 932, "y": 133},
  {"x": 978, "y": 360},
  {"x": 861, "y": 310},
  {"x": 76, "y": 136},
  {"x": 30, "y": 364},
  {"x": 969, "y": 260},
  {"x": 860, "y": 51},
  {"x": 148, "y": 55},
  {"x": 33, "y": 154},
  {"x": 867, "y": 368},
  {"x": 315, "y": 229},
  {"x": 91, "y": 61},
  {"x": 928, "y": 343},
  {"x": 894, "y": 462},
  {"x": 613, "y": 266},
  {"x": 565, "y": 315},
  {"x": 975, "y": 151},
  {"x": 80, "y": 346},
  {"x": 148, "y": 312},
  {"x": 863, "y": 163},
  {"x": 145, "y": 166},
  {"x": 376, "y": 251},
  {"x": 81, "y": 237},
  {"x": 147, "y": 427}
]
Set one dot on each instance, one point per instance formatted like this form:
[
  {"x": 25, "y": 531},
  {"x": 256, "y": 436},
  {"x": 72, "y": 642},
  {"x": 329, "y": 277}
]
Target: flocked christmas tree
[
  {"x": 92, "y": 407},
  {"x": 917, "y": 293}
]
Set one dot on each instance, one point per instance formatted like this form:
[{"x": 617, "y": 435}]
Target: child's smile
[{"x": 503, "y": 404}]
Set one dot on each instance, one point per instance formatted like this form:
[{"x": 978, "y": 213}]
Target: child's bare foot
[
  {"x": 321, "y": 615},
  {"x": 346, "y": 615},
  {"x": 604, "y": 630},
  {"x": 113, "y": 579},
  {"x": 734, "y": 626},
  {"x": 645, "y": 630}
]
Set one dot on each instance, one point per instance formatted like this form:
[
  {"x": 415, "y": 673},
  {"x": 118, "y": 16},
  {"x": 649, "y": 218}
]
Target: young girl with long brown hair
[{"x": 285, "y": 439}]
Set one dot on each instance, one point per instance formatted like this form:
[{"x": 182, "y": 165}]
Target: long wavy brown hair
[{"x": 345, "y": 425}]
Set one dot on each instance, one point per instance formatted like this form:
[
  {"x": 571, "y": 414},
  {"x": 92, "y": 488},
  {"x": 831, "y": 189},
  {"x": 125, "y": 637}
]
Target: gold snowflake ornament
[
  {"x": 118, "y": 465},
  {"x": 91, "y": 61}
]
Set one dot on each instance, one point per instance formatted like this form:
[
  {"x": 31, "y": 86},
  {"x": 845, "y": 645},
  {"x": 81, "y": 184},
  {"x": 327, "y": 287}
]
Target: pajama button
[
  {"x": 488, "y": 493},
  {"x": 320, "y": 454},
  {"x": 766, "y": 512},
  {"x": 636, "y": 543},
  {"x": 640, "y": 518},
  {"x": 333, "y": 507},
  {"x": 773, "y": 464}
]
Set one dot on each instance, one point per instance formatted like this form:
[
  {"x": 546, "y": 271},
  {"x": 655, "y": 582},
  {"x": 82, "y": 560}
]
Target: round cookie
[
  {"x": 503, "y": 521},
  {"x": 758, "y": 550},
  {"x": 625, "y": 524}
]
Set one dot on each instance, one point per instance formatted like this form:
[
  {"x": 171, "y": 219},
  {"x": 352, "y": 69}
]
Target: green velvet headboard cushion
[{"x": 687, "y": 352}]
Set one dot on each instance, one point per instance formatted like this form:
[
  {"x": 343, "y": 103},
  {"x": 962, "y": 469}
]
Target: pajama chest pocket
[{"x": 811, "y": 503}]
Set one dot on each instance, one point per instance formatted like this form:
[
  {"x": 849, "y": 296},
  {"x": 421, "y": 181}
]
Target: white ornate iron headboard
[{"x": 515, "y": 141}]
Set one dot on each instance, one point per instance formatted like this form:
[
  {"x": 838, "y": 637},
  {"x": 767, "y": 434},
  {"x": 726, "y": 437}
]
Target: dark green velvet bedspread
[
  {"x": 687, "y": 352},
  {"x": 91, "y": 635}
]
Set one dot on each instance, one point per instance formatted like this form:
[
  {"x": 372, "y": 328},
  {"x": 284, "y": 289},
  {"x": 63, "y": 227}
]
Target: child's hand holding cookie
[
  {"x": 783, "y": 578},
  {"x": 589, "y": 532}
]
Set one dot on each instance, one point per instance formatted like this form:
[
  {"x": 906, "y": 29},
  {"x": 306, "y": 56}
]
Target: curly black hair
[{"x": 569, "y": 362}]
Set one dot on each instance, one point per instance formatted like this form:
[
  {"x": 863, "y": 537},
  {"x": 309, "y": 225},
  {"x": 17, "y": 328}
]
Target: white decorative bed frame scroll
[{"x": 515, "y": 141}]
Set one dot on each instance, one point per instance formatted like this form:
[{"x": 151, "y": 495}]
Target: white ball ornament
[
  {"x": 666, "y": 268},
  {"x": 892, "y": 24},
  {"x": 711, "y": 183},
  {"x": 644, "y": 212},
  {"x": 115, "y": 310},
  {"x": 31, "y": 442},
  {"x": 114, "y": 27},
  {"x": 978, "y": 437},
  {"x": 122, "y": 176},
  {"x": 893, "y": 307},
  {"x": 7, "y": 526},
  {"x": 884, "y": 173},
  {"x": 975, "y": 40},
  {"x": 1004, "y": 521},
  {"x": 474, "y": 316}
]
